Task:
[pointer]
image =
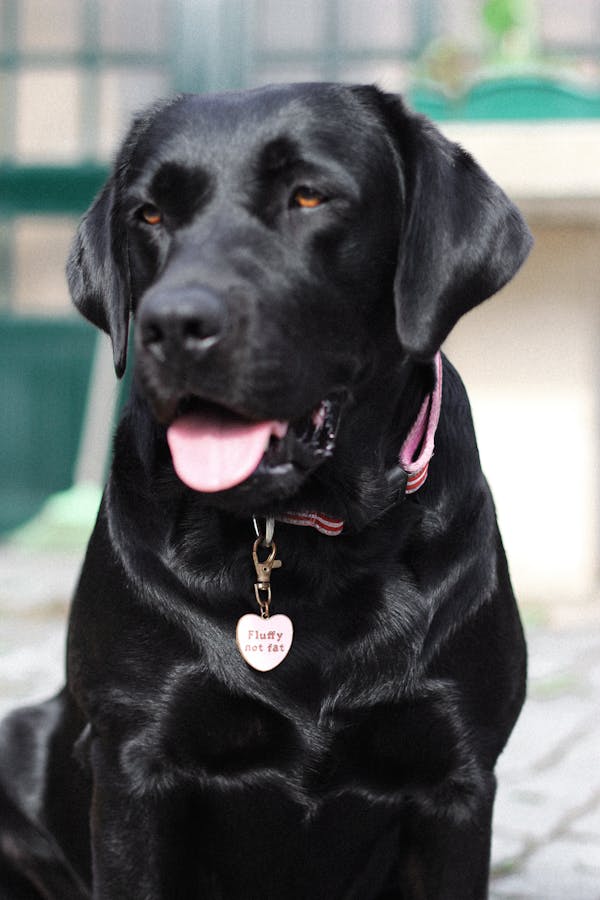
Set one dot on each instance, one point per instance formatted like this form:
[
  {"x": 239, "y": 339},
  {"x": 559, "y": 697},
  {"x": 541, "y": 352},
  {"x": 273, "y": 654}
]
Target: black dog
[{"x": 294, "y": 257}]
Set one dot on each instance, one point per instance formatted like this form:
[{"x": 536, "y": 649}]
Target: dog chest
[{"x": 207, "y": 736}]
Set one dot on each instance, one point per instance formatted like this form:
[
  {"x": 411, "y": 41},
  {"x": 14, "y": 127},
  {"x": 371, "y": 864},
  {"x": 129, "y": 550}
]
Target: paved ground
[{"x": 547, "y": 827}]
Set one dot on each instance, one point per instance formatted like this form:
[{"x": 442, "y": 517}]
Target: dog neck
[{"x": 404, "y": 478}]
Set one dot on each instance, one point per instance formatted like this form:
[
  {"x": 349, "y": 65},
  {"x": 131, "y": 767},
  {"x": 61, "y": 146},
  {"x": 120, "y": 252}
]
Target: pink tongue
[{"x": 213, "y": 453}]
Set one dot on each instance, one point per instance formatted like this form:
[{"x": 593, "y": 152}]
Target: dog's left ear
[
  {"x": 462, "y": 240},
  {"x": 98, "y": 272}
]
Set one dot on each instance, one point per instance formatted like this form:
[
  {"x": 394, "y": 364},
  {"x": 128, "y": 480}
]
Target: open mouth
[{"x": 214, "y": 449}]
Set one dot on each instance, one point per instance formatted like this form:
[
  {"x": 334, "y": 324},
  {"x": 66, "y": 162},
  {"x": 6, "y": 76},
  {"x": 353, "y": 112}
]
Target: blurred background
[{"x": 517, "y": 82}]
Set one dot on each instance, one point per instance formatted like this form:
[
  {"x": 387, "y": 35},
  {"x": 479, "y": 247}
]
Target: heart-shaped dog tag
[{"x": 264, "y": 643}]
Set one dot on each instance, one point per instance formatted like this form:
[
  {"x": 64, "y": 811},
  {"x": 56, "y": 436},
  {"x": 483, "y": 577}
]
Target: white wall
[{"x": 530, "y": 360}]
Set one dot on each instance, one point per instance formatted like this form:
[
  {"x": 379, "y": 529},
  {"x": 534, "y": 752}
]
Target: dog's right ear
[
  {"x": 98, "y": 272},
  {"x": 462, "y": 238}
]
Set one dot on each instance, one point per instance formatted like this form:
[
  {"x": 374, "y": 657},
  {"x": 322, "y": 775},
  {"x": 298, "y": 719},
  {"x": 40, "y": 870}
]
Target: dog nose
[{"x": 191, "y": 320}]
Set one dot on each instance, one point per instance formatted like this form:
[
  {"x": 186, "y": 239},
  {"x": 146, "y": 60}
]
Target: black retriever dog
[{"x": 314, "y": 709}]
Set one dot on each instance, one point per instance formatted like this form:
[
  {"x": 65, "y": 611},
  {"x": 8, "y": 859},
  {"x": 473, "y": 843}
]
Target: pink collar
[{"x": 415, "y": 456}]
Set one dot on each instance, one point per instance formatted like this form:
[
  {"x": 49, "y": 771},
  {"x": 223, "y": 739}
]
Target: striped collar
[{"x": 413, "y": 462}]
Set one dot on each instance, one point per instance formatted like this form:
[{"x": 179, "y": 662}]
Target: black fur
[{"x": 362, "y": 767}]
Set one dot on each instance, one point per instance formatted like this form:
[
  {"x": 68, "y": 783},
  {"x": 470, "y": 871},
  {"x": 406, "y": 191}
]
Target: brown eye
[
  {"x": 151, "y": 214},
  {"x": 307, "y": 198}
]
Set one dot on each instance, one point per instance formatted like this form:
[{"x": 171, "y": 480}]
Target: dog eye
[
  {"x": 151, "y": 214},
  {"x": 307, "y": 198}
]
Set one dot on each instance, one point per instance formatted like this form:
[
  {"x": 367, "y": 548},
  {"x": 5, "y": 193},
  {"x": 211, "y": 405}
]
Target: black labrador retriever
[{"x": 314, "y": 710}]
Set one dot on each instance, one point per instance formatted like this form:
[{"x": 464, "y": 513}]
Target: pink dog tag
[{"x": 264, "y": 643}]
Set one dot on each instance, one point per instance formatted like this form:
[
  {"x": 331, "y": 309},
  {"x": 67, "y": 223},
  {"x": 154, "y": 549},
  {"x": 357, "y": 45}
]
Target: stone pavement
[{"x": 547, "y": 822}]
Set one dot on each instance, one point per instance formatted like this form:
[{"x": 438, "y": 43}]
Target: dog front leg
[
  {"x": 138, "y": 839},
  {"x": 126, "y": 861},
  {"x": 450, "y": 859}
]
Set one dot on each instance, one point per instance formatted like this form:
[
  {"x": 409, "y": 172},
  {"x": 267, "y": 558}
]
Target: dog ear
[
  {"x": 98, "y": 272},
  {"x": 463, "y": 239}
]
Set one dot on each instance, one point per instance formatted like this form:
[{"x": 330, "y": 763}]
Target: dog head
[{"x": 275, "y": 247}]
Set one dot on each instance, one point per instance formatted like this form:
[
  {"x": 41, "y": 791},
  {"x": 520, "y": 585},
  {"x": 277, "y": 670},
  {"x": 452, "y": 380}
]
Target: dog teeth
[{"x": 319, "y": 416}]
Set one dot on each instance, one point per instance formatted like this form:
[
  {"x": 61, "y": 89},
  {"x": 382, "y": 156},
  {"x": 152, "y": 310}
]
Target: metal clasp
[
  {"x": 262, "y": 586},
  {"x": 264, "y": 567}
]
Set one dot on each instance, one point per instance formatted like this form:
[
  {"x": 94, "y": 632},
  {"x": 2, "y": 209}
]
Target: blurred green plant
[
  {"x": 511, "y": 26},
  {"x": 501, "y": 16},
  {"x": 508, "y": 43}
]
